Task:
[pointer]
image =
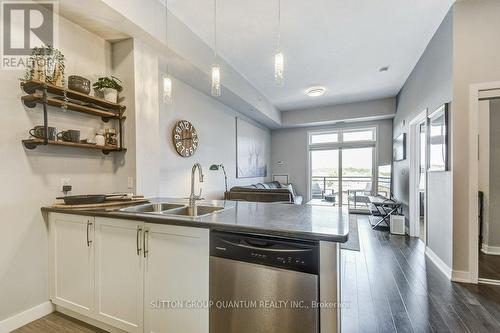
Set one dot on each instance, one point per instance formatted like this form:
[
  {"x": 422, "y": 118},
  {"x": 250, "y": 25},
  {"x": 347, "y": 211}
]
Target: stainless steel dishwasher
[{"x": 261, "y": 284}]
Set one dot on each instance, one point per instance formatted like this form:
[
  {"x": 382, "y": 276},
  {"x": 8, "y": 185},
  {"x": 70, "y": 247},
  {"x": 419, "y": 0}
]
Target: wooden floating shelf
[
  {"x": 31, "y": 86},
  {"x": 33, "y": 99},
  {"x": 33, "y": 143}
]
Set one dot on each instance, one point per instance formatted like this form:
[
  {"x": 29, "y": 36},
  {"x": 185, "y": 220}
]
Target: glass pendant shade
[
  {"x": 278, "y": 68},
  {"x": 216, "y": 87},
  {"x": 167, "y": 90}
]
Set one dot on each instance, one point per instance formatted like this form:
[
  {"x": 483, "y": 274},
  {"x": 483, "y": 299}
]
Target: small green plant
[
  {"x": 108, "y": 82},
  {"x": 42, "y": 65}
]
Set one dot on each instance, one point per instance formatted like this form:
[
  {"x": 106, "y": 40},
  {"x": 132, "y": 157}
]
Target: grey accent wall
[
  {"x": 429, "y": 86},
  {"x": 290, "y": 146}
]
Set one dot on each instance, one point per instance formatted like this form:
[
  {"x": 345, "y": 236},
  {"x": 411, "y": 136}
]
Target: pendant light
[
  {"x": 167, "y": 81},
  {"x": 216, "y": 82},
  {"x": 279, "y": 61}
]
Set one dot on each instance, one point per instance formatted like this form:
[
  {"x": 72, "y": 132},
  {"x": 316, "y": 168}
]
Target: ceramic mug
[
  {"x": 69, "y": 136},
  {"x": 39, "y": 132}
]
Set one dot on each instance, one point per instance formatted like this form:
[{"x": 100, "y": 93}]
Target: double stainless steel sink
[{"x": 167, "y": 208}]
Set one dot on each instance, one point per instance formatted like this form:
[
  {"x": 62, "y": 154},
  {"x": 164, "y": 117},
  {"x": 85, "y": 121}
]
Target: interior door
[
  {"x": 119, "y": 273},
  {"x": 72, "y": 261},
  {"x": 422, "y": 184},
  {"x": 176, "y": 279}
]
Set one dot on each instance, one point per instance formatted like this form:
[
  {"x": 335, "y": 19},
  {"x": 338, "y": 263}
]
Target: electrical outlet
[
  {"x": 66, "y": 185},
  {"x": 130, "y": 183}
]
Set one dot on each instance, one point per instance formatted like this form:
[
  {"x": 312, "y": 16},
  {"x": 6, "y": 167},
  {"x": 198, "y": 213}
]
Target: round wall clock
[{"x": 185, "y": 138}]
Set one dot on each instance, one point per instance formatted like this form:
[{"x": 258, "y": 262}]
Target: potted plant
[
  {"x": 108, "y": 88},
  {"x": 46, "y": 64}
]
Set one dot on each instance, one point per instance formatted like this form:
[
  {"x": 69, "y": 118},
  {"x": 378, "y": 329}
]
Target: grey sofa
[{"x": 264, "y": 192}]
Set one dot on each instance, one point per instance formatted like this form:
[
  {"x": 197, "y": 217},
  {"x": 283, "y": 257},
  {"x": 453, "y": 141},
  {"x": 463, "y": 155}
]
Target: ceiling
[{"x": 339, "y": 44}]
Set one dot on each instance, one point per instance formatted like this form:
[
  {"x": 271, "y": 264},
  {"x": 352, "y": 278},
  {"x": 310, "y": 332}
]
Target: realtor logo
[{"x": 25, "y": 25}]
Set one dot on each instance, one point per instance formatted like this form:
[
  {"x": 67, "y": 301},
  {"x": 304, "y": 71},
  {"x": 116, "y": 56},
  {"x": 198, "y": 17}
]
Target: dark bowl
[{"x": 79, "y": 84}]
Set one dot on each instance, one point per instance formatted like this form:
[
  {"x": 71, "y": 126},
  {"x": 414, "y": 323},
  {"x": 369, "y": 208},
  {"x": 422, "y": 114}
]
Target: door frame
[
  {"x": 477, "y": 92},
  {"x": 414, "y": 157}
]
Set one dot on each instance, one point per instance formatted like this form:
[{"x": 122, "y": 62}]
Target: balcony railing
[{"x": 327, "y": 186}]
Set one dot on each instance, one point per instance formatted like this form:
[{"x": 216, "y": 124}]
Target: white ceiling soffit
[
  {"x": 190, "y": 57},
  {"x": 339, "y": 44}
]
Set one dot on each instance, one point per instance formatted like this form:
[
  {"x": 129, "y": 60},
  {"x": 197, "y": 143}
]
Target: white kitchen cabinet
[
  {"x": 119, "y": 273},
  {"x": 176, "y": 270},
  {"x": 111, "y": 270},
  {"x": 71, "y": 248}
]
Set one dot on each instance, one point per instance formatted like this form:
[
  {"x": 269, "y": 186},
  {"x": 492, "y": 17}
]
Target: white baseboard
[
  {"x": 26, "y": 317},
  {"x": 438, "y": 262},
  {"x": 489, "y": 281},
  {"x": 88, "y": 320},
  {"x": 494, "y": 250},
  {"x": 461, "y": 276}
]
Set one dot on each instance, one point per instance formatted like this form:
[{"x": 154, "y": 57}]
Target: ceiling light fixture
[
  {"x": 167, "y": 81},
  {"x": 315, "y": 91},
  {"x": 279, "y": 62},
  {"x": 216, "y": 86}
]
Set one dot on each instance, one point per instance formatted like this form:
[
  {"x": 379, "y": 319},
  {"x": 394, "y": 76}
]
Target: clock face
[{"x": 185, "y": 138}]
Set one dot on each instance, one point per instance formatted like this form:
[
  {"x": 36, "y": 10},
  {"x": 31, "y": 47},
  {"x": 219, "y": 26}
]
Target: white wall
[
  {"x": 361, "y": 111},
  {"x": 31, "y": 179},
  {"x": 215, "y": 124},
  {"x": 290, "y": 146},
  {"x": 475, "y": 60}
]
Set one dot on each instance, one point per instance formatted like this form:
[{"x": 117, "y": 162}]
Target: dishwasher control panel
[{"x": 297, "y": 255}]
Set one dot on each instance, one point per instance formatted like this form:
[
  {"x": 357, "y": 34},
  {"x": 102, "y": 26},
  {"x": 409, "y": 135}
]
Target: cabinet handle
[
  {"x": 138, "y": 240},
  {"x": 89, "y": 242},
  {"x": 146, "y": 242}
]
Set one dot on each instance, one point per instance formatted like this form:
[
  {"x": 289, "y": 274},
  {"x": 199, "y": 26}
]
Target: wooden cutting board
[{"x": 107, "y": 203}]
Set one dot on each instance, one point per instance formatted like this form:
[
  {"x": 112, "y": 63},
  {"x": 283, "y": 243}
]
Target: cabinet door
[
  {"x": 119, "y": 273},
  {"x": 176, "y": 270},
  {"x": 71, "y": 253}
]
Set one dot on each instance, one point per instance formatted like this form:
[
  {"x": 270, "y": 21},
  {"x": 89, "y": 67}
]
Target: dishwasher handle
[{"x": 251, "y": 245}]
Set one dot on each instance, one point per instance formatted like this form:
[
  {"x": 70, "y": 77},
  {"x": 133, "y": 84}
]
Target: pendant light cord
[
  {"x": 166, "y": 34},
  {"x": 215, "y": 29},
  {"x": 279, "y": 24}
]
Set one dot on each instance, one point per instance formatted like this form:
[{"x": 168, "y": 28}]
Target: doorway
[
  {"x": 418, "y": 177},
  {"x": 489, "y": 190},
  {"x": 478, "y": 93}
]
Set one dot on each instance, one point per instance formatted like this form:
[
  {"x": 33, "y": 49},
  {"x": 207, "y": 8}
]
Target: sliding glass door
[
  {"x": 325, "y": 175},
  {"x": 357, "y": 176},
  {"x": 341, "y": 166}
]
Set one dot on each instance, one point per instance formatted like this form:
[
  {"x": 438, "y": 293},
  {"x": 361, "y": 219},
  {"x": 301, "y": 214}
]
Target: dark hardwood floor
[
  {"x": 489, "y": 266},
  {"x": 390, "y": 286},
  {"x": 58, "y": 323}
]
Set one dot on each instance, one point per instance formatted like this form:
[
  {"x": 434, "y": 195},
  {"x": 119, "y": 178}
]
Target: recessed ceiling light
[
  {"x": 383, "y": 69},
  {"x": 315, "y": 91}
]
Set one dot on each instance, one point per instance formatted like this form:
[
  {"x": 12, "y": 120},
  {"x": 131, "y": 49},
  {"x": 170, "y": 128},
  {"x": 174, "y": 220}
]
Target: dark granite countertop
[{"x": 284, "y": 220}]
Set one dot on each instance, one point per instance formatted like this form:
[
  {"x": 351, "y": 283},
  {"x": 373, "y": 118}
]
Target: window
[
  {"x": 359, "y": 135},
  {"x": 342, "y": 135},
  {"x": 327, "y": 137}
]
